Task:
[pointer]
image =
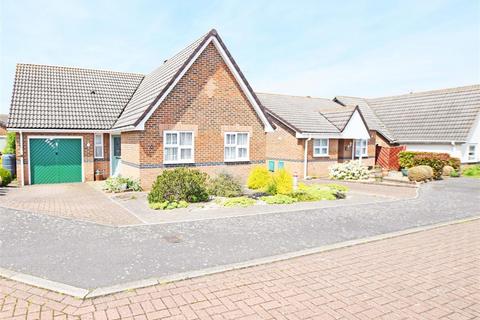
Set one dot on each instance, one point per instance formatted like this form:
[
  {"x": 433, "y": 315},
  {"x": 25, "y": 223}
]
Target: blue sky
[{"x": 316, "y": 48}]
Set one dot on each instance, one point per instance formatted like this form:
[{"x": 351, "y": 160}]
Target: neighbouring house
[
  {"x": 3, "y": 131},
  {"x": 446, "y": 120},
  {"x": 311, "y": 134},
  {"x": 196, "y": 109}
]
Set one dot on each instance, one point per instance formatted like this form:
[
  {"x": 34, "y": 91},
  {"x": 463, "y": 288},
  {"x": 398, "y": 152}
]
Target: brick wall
[
  {"x": 208, "y": 101},
  {"x": 88, "y": 163},
  {"x": 103, "y": 165}
]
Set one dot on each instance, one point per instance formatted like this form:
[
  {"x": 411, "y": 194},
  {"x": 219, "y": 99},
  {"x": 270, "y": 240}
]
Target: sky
[{"x": 314, "y": 48}]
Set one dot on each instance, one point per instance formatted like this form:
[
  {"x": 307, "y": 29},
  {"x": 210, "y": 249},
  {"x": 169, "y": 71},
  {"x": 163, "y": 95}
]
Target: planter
[
  {"x": 405, "y": 172},
  {"x": 98, "y": 176}
]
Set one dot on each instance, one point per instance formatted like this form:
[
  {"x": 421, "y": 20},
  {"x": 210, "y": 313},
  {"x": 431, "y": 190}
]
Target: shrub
[
  {"x": 280, "y": 183},
  {"x": 454, "y": 174},
  {"x": 239, "y": 202},
  {"x": 317, "y": 192},
  {"x": 352, "y": 170},
  {"x": 447, "y": 170},
  {"x": 259, "y": 178},
  {"x": 405, "y": 159},
  {"x": 10, "y": 144},
  {"x": 278, "y": 199},
  {"x": 119, "y": 184},
  {"x": 166, "y": 205},
  {"x": 420, "y": 173},
  {"x": 436, "y": 161},
  {"x": 5, "y": 177},
  {"x": 179, "y": 184},
  {"x": 225, "y": 185},
  {"x": 455, "y": 163},
  {"x": 472, "y": 171}
]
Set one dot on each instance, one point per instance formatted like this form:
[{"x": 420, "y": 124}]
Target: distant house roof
[
  {"x": 3, "y": 120},
  {"x": 307, "y": 114},
  {"x": 51, "y": 97},
  {"x": 432, "y": 116}
]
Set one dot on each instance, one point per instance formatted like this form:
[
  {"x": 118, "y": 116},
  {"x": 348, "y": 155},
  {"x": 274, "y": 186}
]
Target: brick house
[
  {"x": 311, "y": 134},
  {"x": 3, "y": 131},
  {"x": 197, "y": 109}
]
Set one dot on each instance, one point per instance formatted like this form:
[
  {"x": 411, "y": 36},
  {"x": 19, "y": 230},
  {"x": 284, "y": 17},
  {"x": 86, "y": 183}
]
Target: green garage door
[{"x": 55, "y": 160}]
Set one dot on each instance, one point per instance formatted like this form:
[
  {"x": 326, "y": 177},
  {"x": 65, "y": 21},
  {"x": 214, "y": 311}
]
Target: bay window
[
  {"x": 178, "y": 147},
  {"x": 320, "y": 147},
  {"x": 237, "y": 145},
  {"x": 361, "y": 148}
]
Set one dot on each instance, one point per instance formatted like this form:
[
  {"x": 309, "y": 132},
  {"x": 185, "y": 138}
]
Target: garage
[{"x": 55, "y": 160}]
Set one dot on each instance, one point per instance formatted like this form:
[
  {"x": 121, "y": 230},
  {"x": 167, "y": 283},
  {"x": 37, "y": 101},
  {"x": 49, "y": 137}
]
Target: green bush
[
  {"x": 119, "y": 184},
  {"x": 281, "y": 183},
  {"x": 472, "y": 171},
  {"x": 405, "y": 159},
  {"x": 10, "y": 144},
  {"x": 259, "y": 178},
  {"x": 420, "y": 173},
  {"x": 225, "y": 185},
  {"x": 239, "y": 202},
  {"x": 179, "y": 184},
  {"x": 455, "y": 163},
  {"x": 168, "y": 205},
  {"x": 279, "y": 199},
  {"x": 5, "y": 177},
  {"x": 454, "y": 174},
  {"x": 318, "y": 192}
]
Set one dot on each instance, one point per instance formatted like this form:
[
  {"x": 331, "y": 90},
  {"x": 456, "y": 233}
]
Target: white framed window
[
  {"x": 178, "y": 147},
  {"x": 98, "y": 146},
  {"x": 472, "y": 152},
  {"x": 320, "y": 147},
  {"x": 237, "y": 146},
  {"x": 361, "y": 148}
]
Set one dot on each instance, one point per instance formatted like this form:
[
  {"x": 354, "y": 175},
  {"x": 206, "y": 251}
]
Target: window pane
[
  {"x": 186, "y": 138},
  {"x": 324, "y": 150},
  {"x": 323, "y": 142},
  {"x": 98, "y": 139},
  {"x": 242, "y": 153},
  {"x": 230, "y": 139},
  {"x": 171, "y": 138},
  {"x": 170, "y": 154},
  {"x": 242, "y": 139},
  {"x": 98, "y": 151},
  {"x": 229, "y": 153},
  {"x": 185, "y": 154}
]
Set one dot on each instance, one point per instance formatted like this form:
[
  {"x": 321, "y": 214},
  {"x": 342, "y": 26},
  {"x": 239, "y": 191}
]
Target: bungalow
[
  {"x": 311, "y": 134},
  {"x": 446, "y": 120},
  {"x": 196, "y": 109}
]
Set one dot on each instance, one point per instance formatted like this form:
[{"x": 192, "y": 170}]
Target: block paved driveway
[
  {"x": 89, "y": 256},
  {"x": 68, "y": 200},
  {"x": 432, "y": 274}
]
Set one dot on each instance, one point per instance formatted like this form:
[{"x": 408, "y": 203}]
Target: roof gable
[
  {"x": 157, "y": 85},
  {"x": 355, "y": 127}
]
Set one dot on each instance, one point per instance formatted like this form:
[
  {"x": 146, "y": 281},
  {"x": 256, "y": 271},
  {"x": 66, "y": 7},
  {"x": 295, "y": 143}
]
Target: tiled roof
[
  {"x": 432, "y": 116},
  {"x": 304, "y": 114},
  {"x": 155, "y": 83},
  {"x": 69, "y": 98}
]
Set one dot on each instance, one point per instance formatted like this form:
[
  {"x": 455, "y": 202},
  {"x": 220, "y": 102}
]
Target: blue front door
[{"x": 116, "y": 155}]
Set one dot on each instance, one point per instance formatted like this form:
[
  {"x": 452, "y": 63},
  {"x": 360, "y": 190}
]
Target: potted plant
[
  {"x": 404, "y": 172},
  {"x": 98, "y": 175}
]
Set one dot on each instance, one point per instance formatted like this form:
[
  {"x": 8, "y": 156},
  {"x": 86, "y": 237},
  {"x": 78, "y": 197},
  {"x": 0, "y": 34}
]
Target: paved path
[
  {"x": 90, "y": 256},
  {"x": 68, "y": 200},
  {"x": 428, "y": 275}
]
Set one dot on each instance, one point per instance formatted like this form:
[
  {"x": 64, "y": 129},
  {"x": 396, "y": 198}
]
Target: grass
[{"x": 472, "y": 171}]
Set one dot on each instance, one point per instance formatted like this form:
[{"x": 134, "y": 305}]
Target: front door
[{"x": 116, "y": 155}]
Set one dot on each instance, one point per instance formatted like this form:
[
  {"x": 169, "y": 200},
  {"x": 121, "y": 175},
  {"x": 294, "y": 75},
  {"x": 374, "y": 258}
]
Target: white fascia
[{"x": 233, "y": 70}]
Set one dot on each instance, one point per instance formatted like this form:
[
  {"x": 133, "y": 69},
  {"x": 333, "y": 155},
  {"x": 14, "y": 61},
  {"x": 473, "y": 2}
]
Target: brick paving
[
  {"x": 70, "y": 200},
  {"x": 433, "y": 274}
]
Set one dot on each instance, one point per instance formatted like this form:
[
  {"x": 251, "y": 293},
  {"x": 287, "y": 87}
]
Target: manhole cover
[{"x": 172, "y": 239}]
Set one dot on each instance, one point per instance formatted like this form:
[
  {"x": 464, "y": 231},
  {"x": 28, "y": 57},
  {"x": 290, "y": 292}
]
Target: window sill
[
  {"x": 237, "y": 160},
  {"x": 178, "y": 162},
  {"x": 321, "y": 156}
]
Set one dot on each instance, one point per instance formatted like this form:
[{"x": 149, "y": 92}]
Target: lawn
[{"x": 472, "y": 171}]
